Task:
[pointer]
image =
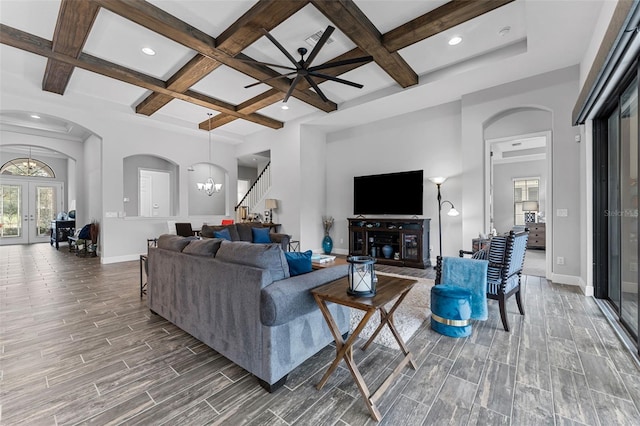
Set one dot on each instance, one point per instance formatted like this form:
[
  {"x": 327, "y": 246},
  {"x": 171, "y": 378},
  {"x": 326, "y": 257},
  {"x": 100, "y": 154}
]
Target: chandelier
[{"x": 209, "y": 186}]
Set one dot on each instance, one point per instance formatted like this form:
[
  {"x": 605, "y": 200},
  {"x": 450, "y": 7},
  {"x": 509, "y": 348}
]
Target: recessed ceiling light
[
  {"x": 504, "y": 31},
  {"x": 455, "y": 40},
  {"x": 285, "y": 106},
  {"x": 148, "y": 51},
  {"x": 35, "y": 116}
]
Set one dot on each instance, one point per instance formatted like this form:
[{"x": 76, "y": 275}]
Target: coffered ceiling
[{"x": 92, "y": 49}]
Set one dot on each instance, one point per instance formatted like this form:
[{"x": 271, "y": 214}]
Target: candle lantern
[{"x": 362, "y": 276}]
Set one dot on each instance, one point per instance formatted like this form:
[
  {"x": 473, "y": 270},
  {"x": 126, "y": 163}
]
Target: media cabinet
[{"x": 408, "y": 238}]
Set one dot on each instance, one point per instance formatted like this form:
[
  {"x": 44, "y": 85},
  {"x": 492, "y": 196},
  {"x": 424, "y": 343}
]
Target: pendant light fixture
[{"x": 210, "y": 187}]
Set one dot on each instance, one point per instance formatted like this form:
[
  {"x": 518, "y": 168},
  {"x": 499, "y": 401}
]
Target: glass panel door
[
  {"x": 629, "y": 206},
  {"x": 11, "y": 209},
  {"x": 27, "y": 209},
  {"x": 614, "y": 212}
]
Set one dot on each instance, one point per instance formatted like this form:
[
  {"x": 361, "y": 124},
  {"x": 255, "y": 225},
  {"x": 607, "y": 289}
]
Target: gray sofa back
[
  {"x": 243, "y": 232},
  {"x": 240, "y": 305}
]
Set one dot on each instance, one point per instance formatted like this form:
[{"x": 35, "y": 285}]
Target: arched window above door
[{"x": 27, "y": 167}]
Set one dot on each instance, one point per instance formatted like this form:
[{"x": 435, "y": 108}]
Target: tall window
[
  {"x": 526, "y": 200},
  {"x": 27, "y": 167}
]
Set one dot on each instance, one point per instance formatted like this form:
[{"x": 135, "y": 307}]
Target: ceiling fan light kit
[{"x": 303, "y": 70}]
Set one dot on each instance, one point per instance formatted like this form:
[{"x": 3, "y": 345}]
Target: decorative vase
[
  {"x": 327, "y": 244},
  {"x": 387, "y": 250}
]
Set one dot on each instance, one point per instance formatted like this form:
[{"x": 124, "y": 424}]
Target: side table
[
  {"x": 143, "y": 283},
  {"x": 387, "y": 289},
  {"x": 294, "y": 245}
]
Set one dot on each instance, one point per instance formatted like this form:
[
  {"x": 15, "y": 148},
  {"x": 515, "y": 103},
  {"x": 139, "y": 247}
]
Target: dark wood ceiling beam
[
  {"x": 357, "y": 26},
  {"x": 75, "y": 19},
  {"x": 39, "y": 46},
  {"x": 440, "y": 19},
  {"x": 157, "y": 20},
  {"x": 243, "y": 32}
]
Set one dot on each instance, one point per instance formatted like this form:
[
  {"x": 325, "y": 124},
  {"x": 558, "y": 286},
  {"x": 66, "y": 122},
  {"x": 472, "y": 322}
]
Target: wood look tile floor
[{"x": 79, "y": 346}]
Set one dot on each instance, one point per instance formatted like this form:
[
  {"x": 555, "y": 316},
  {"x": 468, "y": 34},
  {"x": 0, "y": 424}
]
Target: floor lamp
[{"x": 453, "y": 212}]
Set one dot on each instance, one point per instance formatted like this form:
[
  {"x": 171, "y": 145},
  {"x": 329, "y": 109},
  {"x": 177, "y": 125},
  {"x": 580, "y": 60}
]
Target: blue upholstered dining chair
[{"x": 506, "y": 259}]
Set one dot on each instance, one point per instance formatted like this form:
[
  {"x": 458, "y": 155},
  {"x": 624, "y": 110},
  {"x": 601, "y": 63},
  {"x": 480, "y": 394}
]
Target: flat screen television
[{"x": 390, "y": 193}]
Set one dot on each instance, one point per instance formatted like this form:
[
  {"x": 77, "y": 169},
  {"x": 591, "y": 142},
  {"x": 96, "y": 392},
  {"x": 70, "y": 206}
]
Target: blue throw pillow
[
  {"x": 299, "y": 263},
  {"x": 260, "y": 235},
  {"x": 223, "y": 233}
]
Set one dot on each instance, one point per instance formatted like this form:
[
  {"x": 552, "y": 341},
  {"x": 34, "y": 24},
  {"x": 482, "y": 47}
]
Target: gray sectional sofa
[{"x": 239, "y": 299}]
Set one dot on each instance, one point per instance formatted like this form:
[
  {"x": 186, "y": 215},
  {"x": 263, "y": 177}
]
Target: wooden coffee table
[
  {"x": 335, "y": 262},
  {"x": 387, "y": 289}
]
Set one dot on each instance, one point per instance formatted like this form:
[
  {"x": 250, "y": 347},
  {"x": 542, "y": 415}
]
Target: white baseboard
[
  {"x": 572, "y": 280},
  {"x": 118, "y": 259}
]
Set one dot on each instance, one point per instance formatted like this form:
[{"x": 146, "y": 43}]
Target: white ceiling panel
[
  {"x": 480, "y": 36},
  {"x": 33, "y": 16},
  {"x": 120, "y": 41},
  {"x": 209, "y": 16},
  {"x": 91, "y": 84},
  {"x": 227, "y": 84}
]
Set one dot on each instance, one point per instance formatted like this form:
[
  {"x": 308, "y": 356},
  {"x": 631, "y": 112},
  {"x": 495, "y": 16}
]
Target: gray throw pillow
[
  {"x": 206, "y": 247},
  {"x": 263, "y": 256},
  {"x": 173, "y": 242}
]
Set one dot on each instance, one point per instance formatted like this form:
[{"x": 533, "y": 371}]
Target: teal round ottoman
[{"x": 451, "y": 310}]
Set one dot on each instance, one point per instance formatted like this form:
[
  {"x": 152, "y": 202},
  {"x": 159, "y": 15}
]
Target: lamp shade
[
  {"x": 270, "y": 203},
  {"x": 438, "y": 180},
  {"x": 530, "y": 206}
]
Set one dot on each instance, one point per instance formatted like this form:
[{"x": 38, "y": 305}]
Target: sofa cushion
[
  {"x": 265, "y": 256},
  {"x": 206, "y": 247},
  {"x": 208, "y": 230},
  {"x": 299, "y": 263},
  {"x": 222, "y": 234},
  {"x": 245, "y": 230},
  {"x": 260, "y": 235},
  {"x": 174, "y": 242}
]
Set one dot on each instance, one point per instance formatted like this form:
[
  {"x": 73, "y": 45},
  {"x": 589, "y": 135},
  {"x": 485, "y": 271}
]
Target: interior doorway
[
  {"x": 518, "y": 184},
  {"x": 27, "y": 209}
]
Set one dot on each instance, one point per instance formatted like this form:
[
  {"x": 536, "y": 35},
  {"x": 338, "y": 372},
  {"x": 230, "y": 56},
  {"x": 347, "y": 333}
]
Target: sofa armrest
[
  {"x": 282, "y": 239},
  {"x": 285, "y": 300}
]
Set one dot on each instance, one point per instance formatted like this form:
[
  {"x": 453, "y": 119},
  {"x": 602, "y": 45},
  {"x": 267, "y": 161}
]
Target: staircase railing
[{"x": 257, "y": 190}]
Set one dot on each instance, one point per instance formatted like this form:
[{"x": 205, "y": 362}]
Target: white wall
[
  {"x": 555, "y": 92},
  {"x": 426, "y": 140}
]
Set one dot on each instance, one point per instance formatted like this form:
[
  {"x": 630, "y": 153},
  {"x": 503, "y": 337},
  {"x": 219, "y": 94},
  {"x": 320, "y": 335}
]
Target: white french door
[{"x": 27, "y": 209}]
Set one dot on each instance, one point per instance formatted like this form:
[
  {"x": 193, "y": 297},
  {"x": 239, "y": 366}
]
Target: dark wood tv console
[{"x": 408, "y": 238}]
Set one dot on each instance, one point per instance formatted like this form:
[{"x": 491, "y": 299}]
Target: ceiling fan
[{"x": 303, "y": 70}]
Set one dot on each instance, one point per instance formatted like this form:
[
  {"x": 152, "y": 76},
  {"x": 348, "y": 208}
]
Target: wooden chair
[{"x": 506, "y": 260}]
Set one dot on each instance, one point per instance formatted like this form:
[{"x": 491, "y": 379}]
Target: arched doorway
[{"x": 518, "y": 177}]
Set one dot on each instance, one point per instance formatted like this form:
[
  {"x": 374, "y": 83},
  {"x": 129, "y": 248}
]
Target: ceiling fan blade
[
  {"x": 293, "y": 86},
  {"x": 323, "y": 39},
  {"x": 269, "y": 79},
  {"x": 316, "y": 88},
  {"x": 282, "y": 49},
  {"x": 267, "y": 64},
  {"x": 339, "y": 80},
  {"x": 341, "y": 63}
]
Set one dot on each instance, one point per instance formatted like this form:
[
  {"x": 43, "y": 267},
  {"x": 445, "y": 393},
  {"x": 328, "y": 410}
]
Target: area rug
[{"x": 409, "y": 316}]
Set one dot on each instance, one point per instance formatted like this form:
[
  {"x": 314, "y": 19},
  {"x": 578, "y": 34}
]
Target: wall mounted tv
[{"x": 391, "y": 193}]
